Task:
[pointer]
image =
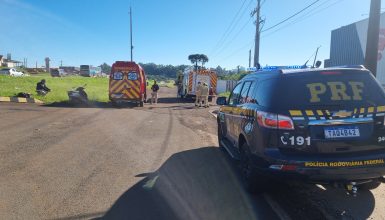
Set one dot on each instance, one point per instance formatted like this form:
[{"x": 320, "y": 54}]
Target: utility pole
[
  {"x": 131, "y": 47},
  {"x": 372, "y": 37},
  {"x": 249, "y": 58},
  {"x": 257, "y": 34},
  {"x": 61, "y": 63}
]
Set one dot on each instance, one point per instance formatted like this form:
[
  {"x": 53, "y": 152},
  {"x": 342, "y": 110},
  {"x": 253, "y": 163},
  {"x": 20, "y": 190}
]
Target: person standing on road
[
  {"x": 154, "y": 93},
  {"x": 198, "y": 93},
  {"x": 205, "y": 95}
]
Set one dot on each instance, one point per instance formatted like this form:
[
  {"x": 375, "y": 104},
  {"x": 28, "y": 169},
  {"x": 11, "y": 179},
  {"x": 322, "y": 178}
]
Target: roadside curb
[
  {"x": 214, "y": 113},
  {"x": 20, "y": 100}
]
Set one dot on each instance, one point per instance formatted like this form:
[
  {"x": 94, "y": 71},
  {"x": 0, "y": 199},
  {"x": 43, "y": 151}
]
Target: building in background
[{"x": 348, "y": 46}]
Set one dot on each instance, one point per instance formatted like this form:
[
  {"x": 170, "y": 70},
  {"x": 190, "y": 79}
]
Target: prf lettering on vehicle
[{"x": 338, "y": 91}]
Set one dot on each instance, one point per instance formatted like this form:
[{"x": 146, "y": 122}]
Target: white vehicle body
[
  {"x": 191, "y": 79},
  {"x": 11, "y": 72}
]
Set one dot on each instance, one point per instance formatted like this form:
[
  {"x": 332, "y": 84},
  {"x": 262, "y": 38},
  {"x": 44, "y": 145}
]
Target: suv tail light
[{"x": 271, "y": 120}]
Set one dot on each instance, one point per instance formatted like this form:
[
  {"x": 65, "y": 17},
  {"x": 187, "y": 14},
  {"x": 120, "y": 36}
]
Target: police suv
[{"x": 318, "y": 125}]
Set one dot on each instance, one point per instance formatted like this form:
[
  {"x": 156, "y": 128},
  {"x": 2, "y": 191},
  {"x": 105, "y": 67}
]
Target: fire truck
[{"x": 190, "y": 79}]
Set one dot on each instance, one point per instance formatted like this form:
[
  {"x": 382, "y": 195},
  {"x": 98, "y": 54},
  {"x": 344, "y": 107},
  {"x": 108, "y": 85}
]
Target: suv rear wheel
[
  {"x": 371, "y": 185},
  {"x": 220, "y": 134},
  {"x": 253, "y": 180}
]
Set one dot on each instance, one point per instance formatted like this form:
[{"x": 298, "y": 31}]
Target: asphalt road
[{"x": 156, "y": 162}]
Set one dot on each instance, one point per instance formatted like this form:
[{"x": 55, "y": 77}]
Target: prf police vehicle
[{"x": 318, "y": 125}]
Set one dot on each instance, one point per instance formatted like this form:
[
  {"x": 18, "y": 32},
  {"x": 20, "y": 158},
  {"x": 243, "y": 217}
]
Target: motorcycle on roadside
[{"x": 78, "y": 96}]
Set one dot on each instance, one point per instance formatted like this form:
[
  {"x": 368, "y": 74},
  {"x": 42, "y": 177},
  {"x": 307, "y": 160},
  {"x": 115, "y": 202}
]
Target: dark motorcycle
[{"x": 78, "y": 96}]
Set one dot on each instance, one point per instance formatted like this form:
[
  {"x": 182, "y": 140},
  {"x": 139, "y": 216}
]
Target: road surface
[{"x": 157, "y": 162}]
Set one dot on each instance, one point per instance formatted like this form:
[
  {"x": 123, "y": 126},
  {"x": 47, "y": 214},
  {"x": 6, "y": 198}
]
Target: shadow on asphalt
[
  {"x": 194, "y": 184},
  {"x": 204, "y": 183},
  {"x": 335, "y": 203},
  {"x": 96, "y": 104}
]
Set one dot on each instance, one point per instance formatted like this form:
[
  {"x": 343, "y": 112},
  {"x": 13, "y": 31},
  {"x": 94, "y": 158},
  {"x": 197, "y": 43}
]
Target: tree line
[{"x": 164, "y": 72}]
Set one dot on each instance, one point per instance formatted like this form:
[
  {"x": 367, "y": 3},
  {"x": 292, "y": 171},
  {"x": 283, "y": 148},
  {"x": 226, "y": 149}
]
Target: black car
[{"x": 317, "y": 125}]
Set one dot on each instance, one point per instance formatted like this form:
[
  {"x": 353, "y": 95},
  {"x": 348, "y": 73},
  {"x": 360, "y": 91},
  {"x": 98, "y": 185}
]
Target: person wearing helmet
[{"x": 41, "y": 88}]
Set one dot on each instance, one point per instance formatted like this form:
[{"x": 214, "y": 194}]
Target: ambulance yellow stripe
[
  {"x": 117, "y": 85},
  {"x": 381, "y": 109},
  {"x": 134, "y": 93},
  {"x": 309, "y": 113},
  {"x": 120, "y": 88},
  {"x": 295, "y": 113},
  {"x": 113, "y": 85}
]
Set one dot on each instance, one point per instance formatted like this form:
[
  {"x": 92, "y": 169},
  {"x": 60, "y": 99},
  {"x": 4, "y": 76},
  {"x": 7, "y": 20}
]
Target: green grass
[
  {"x": 225, "y": 94},
  {"x": 168, "y": 83},
  {"x": 96, "y": 88}
]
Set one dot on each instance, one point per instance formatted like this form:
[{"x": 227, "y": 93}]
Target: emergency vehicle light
[{"x": 266, "y": 68}]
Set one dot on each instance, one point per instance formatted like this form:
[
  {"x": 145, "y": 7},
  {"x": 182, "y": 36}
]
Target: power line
[
  {"x": 232, "y": 27},
  {"x": 238, "y": 50},
  {"x": 283, "y": 21},
  {"x": 305, "y": 16},
  {"x": 234, "y": 37},
  {"x": 228, "y": 28}
]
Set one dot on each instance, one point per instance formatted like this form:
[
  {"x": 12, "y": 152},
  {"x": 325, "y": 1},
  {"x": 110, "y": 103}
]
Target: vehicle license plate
[{"x": 341, "y": 132}]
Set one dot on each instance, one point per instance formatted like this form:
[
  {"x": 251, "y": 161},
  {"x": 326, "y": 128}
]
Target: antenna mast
[{"x": 131, "y": 47}]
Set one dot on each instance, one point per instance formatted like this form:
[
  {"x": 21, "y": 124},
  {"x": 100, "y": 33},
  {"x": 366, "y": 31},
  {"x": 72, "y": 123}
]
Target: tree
[
  {"x": 194, "y": 58},
  {"x": 198, "y": 58},
  {"x": 203, "y": 59},
  {"x": 105, "y": 68}
]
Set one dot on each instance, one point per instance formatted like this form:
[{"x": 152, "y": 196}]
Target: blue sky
[{"x": 166, "y": 32}]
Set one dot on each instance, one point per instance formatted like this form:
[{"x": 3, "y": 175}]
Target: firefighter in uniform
[
  {"x": 198, "y": 93},
  {"x": 205, "y": 95}
]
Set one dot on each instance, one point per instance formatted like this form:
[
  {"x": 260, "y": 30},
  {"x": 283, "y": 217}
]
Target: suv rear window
[{"x": 322, "y": 89}]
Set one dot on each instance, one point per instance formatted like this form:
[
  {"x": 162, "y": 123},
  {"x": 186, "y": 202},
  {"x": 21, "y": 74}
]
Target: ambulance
[
  {"x": 127, "y": 83},
  {"x": 191, "y": 79}
]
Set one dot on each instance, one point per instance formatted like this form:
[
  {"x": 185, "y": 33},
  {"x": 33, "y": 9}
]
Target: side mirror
[{"x": 221, "y": 100}]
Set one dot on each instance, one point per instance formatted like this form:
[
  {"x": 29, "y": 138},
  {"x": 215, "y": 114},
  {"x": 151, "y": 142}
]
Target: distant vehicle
[
  {"x": 90, "y": 71},
  {"x": 316, "y": 125},
  {"x": 58, "y": 72},
  {"x": 127, "y": 83},
  {"x": 11, "y": 72},
  {"x": 191, "y": 78}
]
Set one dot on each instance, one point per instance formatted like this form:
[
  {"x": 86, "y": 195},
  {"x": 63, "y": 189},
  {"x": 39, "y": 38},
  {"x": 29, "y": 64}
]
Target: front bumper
[{"x": 324, "y": 168}]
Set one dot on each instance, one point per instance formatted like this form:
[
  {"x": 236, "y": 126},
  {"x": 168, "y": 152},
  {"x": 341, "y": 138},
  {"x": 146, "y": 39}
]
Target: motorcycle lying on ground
[{"x": 78, "y": 96}]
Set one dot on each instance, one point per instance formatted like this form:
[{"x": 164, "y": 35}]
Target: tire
[
  {"x": 220, "y": 134},
  {"x": 253, "y": 181},
  {"x": 371, "y": 185}
]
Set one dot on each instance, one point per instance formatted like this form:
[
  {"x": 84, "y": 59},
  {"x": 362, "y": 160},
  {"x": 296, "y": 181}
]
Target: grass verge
[{"x": 96, "y": 88}]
